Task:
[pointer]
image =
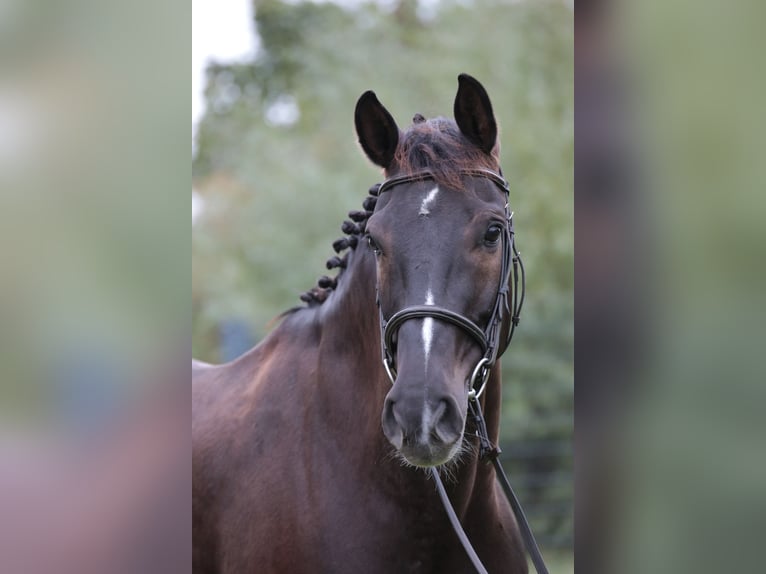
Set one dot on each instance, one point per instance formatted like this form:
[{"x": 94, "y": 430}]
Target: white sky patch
[
  {"x": 221, "y": 31},
  {"x": 425, "y": 207},
  {"x": 427, "y": 9},
  {"x": 283, "y": 112},
  {"x": 24, "y": 128},
  {"x": 198, "y": 205},
  {"x": 225, "y": 32}
]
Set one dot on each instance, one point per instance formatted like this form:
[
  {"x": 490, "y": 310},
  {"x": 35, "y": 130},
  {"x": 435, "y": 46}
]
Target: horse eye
[
  {"x": 492, "y": 236},
  {"x": 373, "y": 245}
]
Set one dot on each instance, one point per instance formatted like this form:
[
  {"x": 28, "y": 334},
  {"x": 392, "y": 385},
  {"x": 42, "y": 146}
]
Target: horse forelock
[{"x": 438, "y": 145}]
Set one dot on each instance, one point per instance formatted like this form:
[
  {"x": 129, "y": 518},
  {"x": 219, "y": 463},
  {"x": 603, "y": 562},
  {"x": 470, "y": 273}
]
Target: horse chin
[{"x": 429, "y": 455}]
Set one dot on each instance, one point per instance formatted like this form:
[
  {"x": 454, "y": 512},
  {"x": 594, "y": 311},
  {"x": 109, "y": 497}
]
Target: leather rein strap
[
  {"x": 492, "y": 348},
  {"x": 526, "y": 532}
]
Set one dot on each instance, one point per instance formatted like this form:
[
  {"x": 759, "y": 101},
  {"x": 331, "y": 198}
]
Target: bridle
[
  {"x": 508, "y": 303},
  {"x": 489, "y": 339}
]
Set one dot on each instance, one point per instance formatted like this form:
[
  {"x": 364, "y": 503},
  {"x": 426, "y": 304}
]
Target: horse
[{"x": 316, "y": 451}]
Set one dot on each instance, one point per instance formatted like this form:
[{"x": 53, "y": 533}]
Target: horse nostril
[
  {"x": 391, "y": 426},
  {"x": 448, "y": 424},
  {"x": 388, "y": 411}
]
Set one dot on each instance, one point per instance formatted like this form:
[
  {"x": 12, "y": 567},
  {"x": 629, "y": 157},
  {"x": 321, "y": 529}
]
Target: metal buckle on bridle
[
  {"x": 390, "y": 369},
  {"x": 480, "y": 373}
]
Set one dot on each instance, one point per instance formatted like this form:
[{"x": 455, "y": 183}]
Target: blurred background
[
  {"x": 94, "y": 268},
  {"x": 276, "y": 166},
  {"x": 94, "y": 294},
  {"x": 669, "y": 203}
]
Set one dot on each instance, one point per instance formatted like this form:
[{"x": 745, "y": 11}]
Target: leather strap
[
  {"x": 487, "y": 450},
  {"x": 456, "y": 526},
  {"x": 431, "y": 311},
  {"x": 526, "y": 532}
]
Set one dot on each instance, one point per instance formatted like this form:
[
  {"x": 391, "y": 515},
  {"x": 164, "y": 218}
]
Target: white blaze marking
[
  {"x": 428, "y": 333},
  {"x": 427, "y": 201},
  {"x": 425, "y": 429},
  {"x": 428, "y": 328}
]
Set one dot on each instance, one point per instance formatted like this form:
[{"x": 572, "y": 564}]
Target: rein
[{"x": 507, "y": 303}]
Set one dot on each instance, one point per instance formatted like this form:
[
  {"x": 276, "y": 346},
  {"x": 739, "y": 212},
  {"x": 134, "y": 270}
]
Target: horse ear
[
  {"x": 377, "y": 130},
  {"x": 473, "y": 113}
]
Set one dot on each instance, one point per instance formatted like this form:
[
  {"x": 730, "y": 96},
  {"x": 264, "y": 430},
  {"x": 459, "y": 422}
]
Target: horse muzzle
[{"x": 426, "y": 429}]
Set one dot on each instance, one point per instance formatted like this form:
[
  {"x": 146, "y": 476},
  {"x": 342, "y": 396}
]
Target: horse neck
[
  {"x": 351, "y": 375},
  {"x": 351, "y": 309}
]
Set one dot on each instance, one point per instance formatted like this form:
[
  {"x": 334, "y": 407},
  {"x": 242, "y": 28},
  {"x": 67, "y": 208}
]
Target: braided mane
[
  {"x": 354, "y": 230},
  {"x": 437, "y": 145}
]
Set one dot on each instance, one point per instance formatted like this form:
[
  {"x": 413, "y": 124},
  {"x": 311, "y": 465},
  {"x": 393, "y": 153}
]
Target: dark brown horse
[{"x": 293, "y": 471}]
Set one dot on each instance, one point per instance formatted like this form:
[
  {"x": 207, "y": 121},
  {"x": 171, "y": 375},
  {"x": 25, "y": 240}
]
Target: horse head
[{"x": 442, "y": 237}]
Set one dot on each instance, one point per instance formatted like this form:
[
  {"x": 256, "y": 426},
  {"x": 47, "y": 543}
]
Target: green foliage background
[{"x": 275, "y": 195}]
